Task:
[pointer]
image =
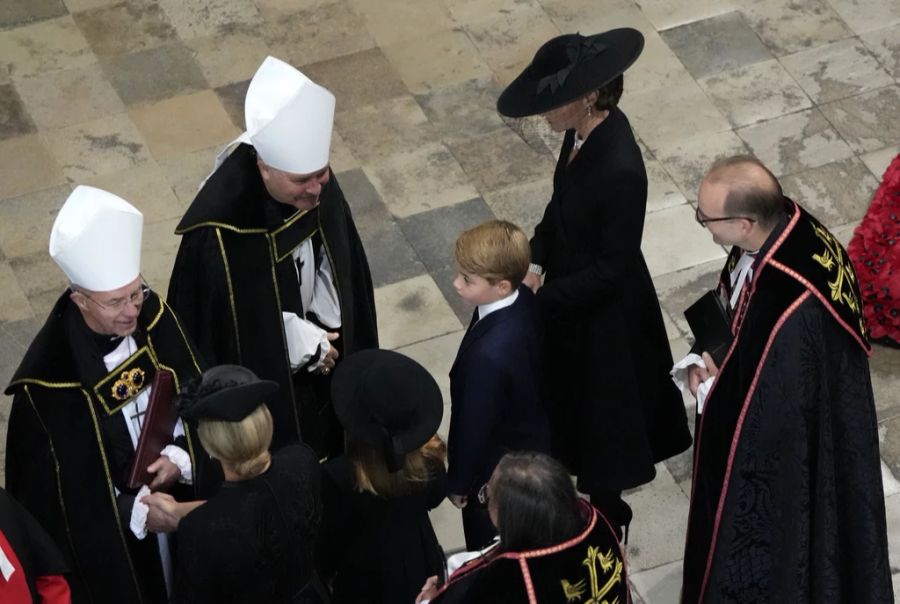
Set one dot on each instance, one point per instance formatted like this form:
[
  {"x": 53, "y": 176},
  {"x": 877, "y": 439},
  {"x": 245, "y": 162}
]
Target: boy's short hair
[{"x": 494, "y": 250}]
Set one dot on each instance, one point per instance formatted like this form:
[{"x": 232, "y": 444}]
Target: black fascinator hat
[
  {"x": 225, "y": 392},
  {"x": 388, "y": 401},
  {"x": 568, "y": 67}
]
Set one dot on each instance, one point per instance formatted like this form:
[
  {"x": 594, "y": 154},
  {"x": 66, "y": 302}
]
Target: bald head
[{"x": 752, "y": 190}]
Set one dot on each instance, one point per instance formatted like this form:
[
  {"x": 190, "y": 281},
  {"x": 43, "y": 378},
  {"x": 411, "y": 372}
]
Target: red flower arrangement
[{"x": 875, "y": 252}]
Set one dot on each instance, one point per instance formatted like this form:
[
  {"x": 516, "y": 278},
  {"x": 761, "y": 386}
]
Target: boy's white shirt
[{"x": 486, "y": 309}]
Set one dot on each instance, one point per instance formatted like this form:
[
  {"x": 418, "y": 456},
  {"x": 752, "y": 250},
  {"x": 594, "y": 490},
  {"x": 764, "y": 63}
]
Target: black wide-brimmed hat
[
  {"x": 388, "y": 401},
  {"x": 225, "y": 392},
  {"x": 568, "y": 67}
]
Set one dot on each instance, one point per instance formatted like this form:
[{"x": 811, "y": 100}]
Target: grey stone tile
[
  {"x": 14, "y": 304},
  {"x": 869, "y": 121},
  {"x": 14, "y": 118},
  {"x": 754, "y": 93},
  {"x": 878, "y": 161},
  {"x": 38, "y": 274},
  {"x": 660, "y": 585},
  {"x": 500, "y": 159},
  {"x": 885, "y": 381},
  {"x": 384, "y": 128},
  {"x": 670, "y": 13},
  {"x": 42, "y": 47},
  {"x": 662, "y": 192},
  {"x": 125, "y": 27},
  {"x": 835, "y": 193},
  {"x": 209, "y": 17},
  {"x": 673, "y": 241},
  {"x": 391, "y": 257},
  {"x": 716, "y": 44},
  {"x": 660, "y": 520},
  {"x": 795, "y": 142},
  {"x": 25, "y": 221},
  {"x": 26, "y": 166},
  {"x": 522, "y": 204},
  {"x": 233, "y": 56},
  {"x": 185, "y": 172},
  {"x": 413, "y": 311},
  {"x": 867, "y": 15},
  {"x": 449, "y": 58},
  {"x": 464, "y": 109},
  {"x": 890, "y": 445},
  {"x": 155, "y": 74},
  {"x": 885, "y": 44},
  {"x": 232, "y": 97},
  {"x": 16, "y": 337},
  {"x": 837, "y": 70},
  {"x": 787, "y": 27},
  {"x": 360, "y": 78},
  {"x": 437, "y": 356},
  {"x": 687, "y": 159},
  {"x": 433, "y": 235},
  {"x": 678, "y": 290},
  {"x": 14, "y": 13},
  {"x": 63, "y": 98}
]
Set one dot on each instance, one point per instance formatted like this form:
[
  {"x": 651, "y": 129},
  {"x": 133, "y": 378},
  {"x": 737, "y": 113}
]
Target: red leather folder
[{"x": 156, "y": 433}]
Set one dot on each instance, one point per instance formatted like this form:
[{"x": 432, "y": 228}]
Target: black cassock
[
  {"x": 68, "y": 449},
  {"x": 787, "y": 503},
  {"x": 234, "y": 275},
  {"x": 614, "y": 410},
  {"x": 254, "y": 540},
  {"x": 375, "y": 550}
]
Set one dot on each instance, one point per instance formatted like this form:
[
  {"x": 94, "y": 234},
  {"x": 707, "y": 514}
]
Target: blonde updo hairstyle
[{"x": 243, "y": 445}]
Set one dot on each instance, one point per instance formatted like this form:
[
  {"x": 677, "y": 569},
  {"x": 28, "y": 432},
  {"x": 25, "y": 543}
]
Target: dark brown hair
[{"x": 609, "y": 94}]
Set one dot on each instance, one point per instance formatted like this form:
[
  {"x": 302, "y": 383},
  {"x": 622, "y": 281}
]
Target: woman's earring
[{"x": 590, "y": 110}]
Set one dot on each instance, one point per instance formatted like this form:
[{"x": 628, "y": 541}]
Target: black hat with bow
[
  {"x": 568, "y": 67},
  {"x": 225, "y": 392},
  {"x": 387, "y": 401}
]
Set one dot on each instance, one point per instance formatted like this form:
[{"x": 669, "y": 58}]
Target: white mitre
[
  {"x": 96, "y": 240},
  {"x": 289, "y": 119}
]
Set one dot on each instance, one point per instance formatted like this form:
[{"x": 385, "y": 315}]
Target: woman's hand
[
  {"x": 165, "y": 512},
  {"x": 429, "y": 590},
  {"x": 533, "y": 281}
]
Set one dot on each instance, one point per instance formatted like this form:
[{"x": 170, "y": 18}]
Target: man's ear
[
  {"x": 263, "y": 168},
  {"x": 78, "y": 299}
]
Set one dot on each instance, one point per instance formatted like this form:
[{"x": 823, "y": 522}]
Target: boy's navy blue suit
[{"x": 495, "y": 393}]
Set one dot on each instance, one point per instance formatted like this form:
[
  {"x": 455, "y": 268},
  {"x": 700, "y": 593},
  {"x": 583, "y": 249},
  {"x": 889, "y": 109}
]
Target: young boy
[{"x": 495, "y": 381}]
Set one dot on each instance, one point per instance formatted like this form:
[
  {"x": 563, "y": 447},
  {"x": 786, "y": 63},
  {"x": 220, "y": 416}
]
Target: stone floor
[{"x": 138, "y": 96}]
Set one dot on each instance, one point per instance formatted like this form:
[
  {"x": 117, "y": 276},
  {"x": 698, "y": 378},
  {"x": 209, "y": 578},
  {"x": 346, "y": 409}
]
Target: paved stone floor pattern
[{"x": 137, "y": 97}]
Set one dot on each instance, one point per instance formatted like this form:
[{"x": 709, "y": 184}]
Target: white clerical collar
[{"x": 486, "y": 309}]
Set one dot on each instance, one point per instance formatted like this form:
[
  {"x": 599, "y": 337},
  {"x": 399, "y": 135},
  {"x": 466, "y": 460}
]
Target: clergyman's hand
[{"x": 166, "y": 473}]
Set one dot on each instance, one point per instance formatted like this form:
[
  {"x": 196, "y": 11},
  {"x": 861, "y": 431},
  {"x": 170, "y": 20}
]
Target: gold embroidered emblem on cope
[
  {"x": 610, "y": 570},
  {"x": 833, "y": 259},
  {"x": 129, "y": 383}
]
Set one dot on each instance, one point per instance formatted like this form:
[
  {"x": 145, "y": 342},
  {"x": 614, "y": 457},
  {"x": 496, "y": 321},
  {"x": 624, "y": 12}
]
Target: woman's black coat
[{"x": 614, "y": 409}]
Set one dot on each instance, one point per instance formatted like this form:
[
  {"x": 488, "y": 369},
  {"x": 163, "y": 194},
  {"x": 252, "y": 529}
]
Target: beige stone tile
[
  {"x": 103, "y": 145},
  {"x": 14, "y": 305},
  {"x": 420, "y": 179},
  {"x": 80, "y": 5},
  {"x": 447, "y": 523},
  {"x": 673, "y": 241},
  {"x": 878, "y": 161},
  {"x": 867, "y": 15},
  {"x": 660, "y": 585},
  {"x": 125, "y": 27},
  {"x": 664, "y": 14},
  {"x": 437, "y": 356},
  {"x": 665, "y": 115},
  {"x": 26, "y": 166},
  {"x": 869, "y": 121},
  {"x": 25, "y": 221},
  {"x": 158, "y": 250},
  {"x": 656, "y": 69},
  {"x": 38, "y": 275},
  {"x": 688, "y": 159},
  {"x": 384, "y": 128},
  {"x": 500, "y": 159},
  {"x": 678, "y": 290},
  {"x": 794, "y": 142},
  {"x": 229, "y": 58},
  {"x": 463, "y": 110},
  {"x": 417, "y": 18},
  {"x": 314, "y": 31},
  {"x": 507, "y": 41},
  {"x": 185, "y": 172},
  {"x": 837, "y": 193},
  {"x": 662, "y": 192},
  {"x": 590, "y": 17},
  {"x": 660, "y": 521},
  {"x": 836, "y": 70},
  {"x": 468, "y": 11},
  {"x": 342, "y": 157},
  {"x": 358, "y": 79},
  {"x": 44, "y": 46},
  {"x": 14, "y": 118},
  {"x": 72, "y": 96},
  {"x": 522, "y": 204},
  {"x": 184, "y": 123},
  {"x": 436, "y": 60},
  {"x": 146, "y": 188},
  {"x": 195, "y": 18},
  {"x": 754, "y": 93},
  {"x": 885, "y": 44},
  {"x": 787, "y": 27},
  {"x": 411, "y": 311}
]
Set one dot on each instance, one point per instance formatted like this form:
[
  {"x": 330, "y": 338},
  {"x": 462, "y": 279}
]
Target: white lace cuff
[
  {"x": 303, "y": 339},
  {"x": 139, "y": 511},
  {"x": 679, "y": 375},
  {"x": 180, "y": 458}
]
